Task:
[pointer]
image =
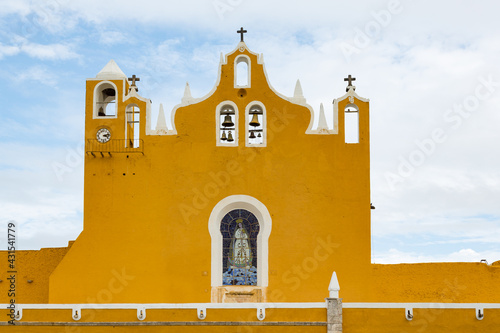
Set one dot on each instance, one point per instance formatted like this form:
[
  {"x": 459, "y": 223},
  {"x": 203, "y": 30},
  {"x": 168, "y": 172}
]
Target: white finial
[
  {"x": 161, "y": 124},
  {"x": 322, "y": 125},
  {"x": 187, "y": 98},
  {"x": 298, "y": 96},
  {"x": 298, "y": 90},
  {"x": 111, "y": 71},
  {"x": 334, "y": 286}
]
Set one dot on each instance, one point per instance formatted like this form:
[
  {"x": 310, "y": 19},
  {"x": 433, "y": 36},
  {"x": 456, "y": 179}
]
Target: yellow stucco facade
[{"x": 154, "y": 200}]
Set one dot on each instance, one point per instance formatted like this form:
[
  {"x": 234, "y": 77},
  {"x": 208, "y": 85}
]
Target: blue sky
[{"x": 429, "y": 68}]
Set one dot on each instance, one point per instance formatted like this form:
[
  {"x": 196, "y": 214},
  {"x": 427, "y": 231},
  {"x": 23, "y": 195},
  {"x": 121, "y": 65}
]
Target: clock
[{"x": 103, "y": 135}]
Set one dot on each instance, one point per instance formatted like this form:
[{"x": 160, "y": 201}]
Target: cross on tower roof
[
  {"x": 134, "y": 79},
  {"x": 241, "y": 32},
  {"x": 349, "y": 79}
]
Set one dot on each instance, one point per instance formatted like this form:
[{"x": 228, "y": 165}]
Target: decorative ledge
[{"x": 95, "y": 148}]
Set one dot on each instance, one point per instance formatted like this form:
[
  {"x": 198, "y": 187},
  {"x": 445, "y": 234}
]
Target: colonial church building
[{"x": 237, "y": 216}]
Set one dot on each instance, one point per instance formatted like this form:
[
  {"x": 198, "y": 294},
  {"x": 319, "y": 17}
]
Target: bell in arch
[
  {"x": 230, "y": 137},
  {"x": 223, "y": 138},
  {"x": 255, "y": 120},
  {"x": 252, "y": 135},
  {"x": 228, "y": 122}
]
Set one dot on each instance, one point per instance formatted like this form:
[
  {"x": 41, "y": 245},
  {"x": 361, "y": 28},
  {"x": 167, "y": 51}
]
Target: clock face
[{"x": 103, "y": 135}]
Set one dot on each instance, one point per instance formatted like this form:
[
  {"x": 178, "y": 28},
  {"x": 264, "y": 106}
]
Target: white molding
[
  {"x": 264, "y": 124},
  {"x": 350, "y": 94},
  {"x": 218, "y": 125},
  {"x": 196, "y": 100},
  {"x": 149, "y": 306},
  {"x": 264, "y": 305},
  {"x": 246, "y": 59},
  {"x": 420, "y": 305},
  {"x": 281, "y": 305},
  {"x": 223, "y": 61},
  {"x": 265, "y": 222}
]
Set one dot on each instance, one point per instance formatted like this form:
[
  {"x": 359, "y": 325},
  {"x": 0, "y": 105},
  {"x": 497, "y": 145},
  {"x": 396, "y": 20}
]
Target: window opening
[
  {"x": 239, "y": 229},
  {"x": 242, "y": 72},
  {"x": 133, "y": 118},
  {"x": 351, "y": 123}
]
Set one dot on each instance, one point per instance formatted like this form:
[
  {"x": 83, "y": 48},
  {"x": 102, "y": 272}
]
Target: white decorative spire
[
  {"x": 322, "y": 124},
  {"x": 334, "y": 286},
  {"x": 161, "y": 124},
  {"x": 187, "y": 98},
  {"x": 298, "y": 96},
  {"x": 111, "y": 71}
]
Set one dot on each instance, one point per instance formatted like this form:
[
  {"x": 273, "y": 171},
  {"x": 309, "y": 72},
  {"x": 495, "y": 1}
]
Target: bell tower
[{"x": 115, "y": 114}]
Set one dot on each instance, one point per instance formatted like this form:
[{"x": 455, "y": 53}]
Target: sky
[{"x": 429, "y": 68}]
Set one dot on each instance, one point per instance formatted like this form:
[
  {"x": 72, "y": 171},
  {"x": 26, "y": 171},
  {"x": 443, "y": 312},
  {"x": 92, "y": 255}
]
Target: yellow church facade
[{"x": 240, "y": 216}]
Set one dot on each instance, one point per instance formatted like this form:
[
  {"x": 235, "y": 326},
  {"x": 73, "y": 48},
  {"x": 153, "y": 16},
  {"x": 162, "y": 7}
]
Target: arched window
[
  {"x": 227, "y": 124},
  {"x": 255, "y": 125},
  {"x": 223, "y": 226},
  {"x": 105, "y": 100},
  {"x": 132, "y": 126},
  {"x": 239, "y": 229},
  {"x": 351, "y": 123},
  {"x": 242, "y": 72}
]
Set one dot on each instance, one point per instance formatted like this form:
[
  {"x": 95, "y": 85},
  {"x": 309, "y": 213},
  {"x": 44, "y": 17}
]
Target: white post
[{"x": 334, "y": 306}]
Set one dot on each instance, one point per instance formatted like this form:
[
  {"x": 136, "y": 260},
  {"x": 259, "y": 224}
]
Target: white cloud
[
  {"x": 113, "y": 37},
  {"x": 50, "y": 52},
  {"x": 8, "y": 50},
  {"x": 394, "y": 256},
  {"x": 36, "y": 73}
]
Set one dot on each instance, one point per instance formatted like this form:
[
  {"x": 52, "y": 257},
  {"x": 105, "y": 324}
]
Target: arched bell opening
[
  {"x": 227, "y": 124},
  {"x": 105, "y": 100},
  {"x": 351, "y": 123},
  {"x": 256, "y": 133}
]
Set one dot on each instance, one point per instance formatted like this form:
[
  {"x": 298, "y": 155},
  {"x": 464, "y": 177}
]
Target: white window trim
[
  {"x": 95, "y": 116},
  {"x": 354, "y": 106},
  {"x": 264, "y": 125},
  {"x": 218, "y": 124},
  {"x": 265, "y": 223},
  {"x": 127, "y": 108},
  {"x": 237, "y": 60}
]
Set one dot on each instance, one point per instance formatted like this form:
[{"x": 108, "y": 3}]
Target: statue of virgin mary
[{"x": 241, "y": 254}]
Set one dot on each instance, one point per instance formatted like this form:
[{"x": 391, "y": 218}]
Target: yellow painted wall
[
  {"x": 35, "y": 266},
  {"x": 146, "y": 238},
  {"x": 148, "y": 215}
]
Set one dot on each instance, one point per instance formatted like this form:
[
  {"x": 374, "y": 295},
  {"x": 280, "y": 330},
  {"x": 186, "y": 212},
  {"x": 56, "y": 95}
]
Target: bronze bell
[
  {"x": 223, "y": 138},
  {"x": 255, "y": 121},
  {"x": 230, "y": 137},
  {"x": 259, "y": 135},
  {"x": 252, "y": 135},
  {"x": 228, "y": 122}
]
